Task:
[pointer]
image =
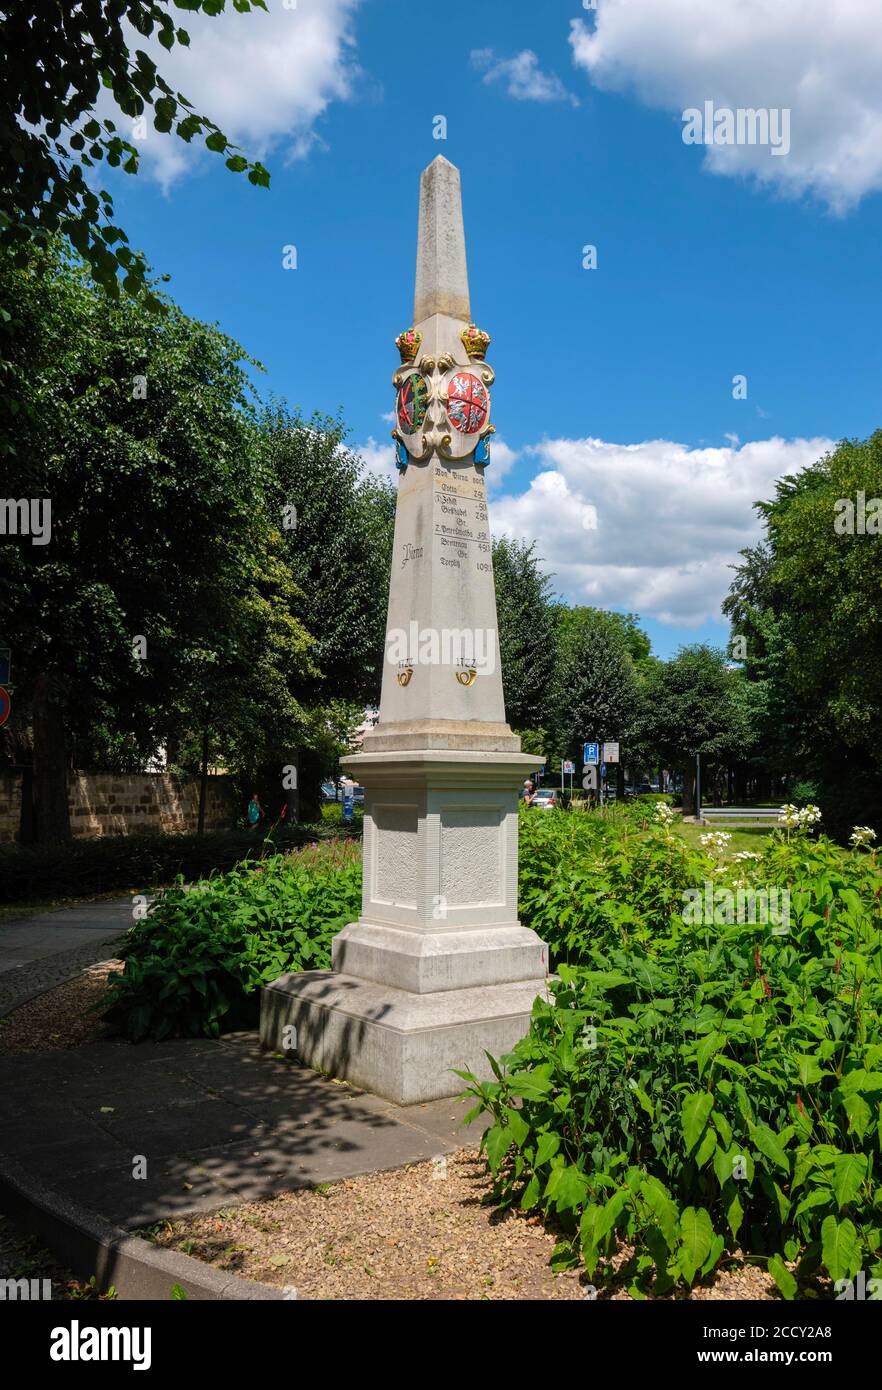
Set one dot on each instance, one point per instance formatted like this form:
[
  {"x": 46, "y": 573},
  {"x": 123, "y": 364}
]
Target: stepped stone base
[
  {"x": 427, "y": 961},
  {"x": 396, "y": 1043}
]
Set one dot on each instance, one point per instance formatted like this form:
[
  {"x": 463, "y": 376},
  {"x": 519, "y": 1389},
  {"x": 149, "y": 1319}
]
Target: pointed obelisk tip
[{"x": 442, "y": 282}]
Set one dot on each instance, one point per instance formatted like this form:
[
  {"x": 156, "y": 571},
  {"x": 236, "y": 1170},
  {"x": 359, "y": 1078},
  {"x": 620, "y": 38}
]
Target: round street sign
[{"x": 5, "y": 704}]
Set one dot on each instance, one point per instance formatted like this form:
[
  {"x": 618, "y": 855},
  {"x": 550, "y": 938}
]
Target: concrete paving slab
[{"x": 218, "y": 1122}]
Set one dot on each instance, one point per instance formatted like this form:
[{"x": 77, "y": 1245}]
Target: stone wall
[{"x": 104, "y": 803}]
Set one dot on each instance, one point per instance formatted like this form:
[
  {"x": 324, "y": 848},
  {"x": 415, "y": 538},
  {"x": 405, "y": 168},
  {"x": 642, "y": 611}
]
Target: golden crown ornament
[
  {"x": 475, "y": 341},
  {"x": 408, "y": 344}
]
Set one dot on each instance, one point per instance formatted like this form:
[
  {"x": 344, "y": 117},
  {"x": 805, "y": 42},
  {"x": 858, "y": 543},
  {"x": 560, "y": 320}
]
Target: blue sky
[{"x": 707, "y": 267}]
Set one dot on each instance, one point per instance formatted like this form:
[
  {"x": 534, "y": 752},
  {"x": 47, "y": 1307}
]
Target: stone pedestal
[{"x": 437, "y": 969}]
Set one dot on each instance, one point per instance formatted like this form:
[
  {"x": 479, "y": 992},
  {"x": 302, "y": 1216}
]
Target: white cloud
[
  {"x": 522, "y": 76},
  {"x": 378, "y": 458},
  {"x": 502, "y": 459},
  {"x": 650, "y": 527},
  {"x": 264, "y": 78},
  {"x": 820, "y": 60}
]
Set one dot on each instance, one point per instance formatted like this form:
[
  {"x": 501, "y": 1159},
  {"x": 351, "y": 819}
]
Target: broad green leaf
[
  {"x": 743, "y": 1102},
  {"x": 566, "y": 1187},
  {"x": 529, "y": 1085},
  {"x": 609, "y": 1215},
  {"x": 696, "y": 1236},
  {"x": 722, "y": 1166},
  {"x": 518, "y": 1126},
  {"x": 860, "y": 1080},
  {"x": 663, "y": 1208},
  {"x": 808, "y": 1070},
  {"x": 708, "y": 1048},
  {"x": 840, "y": 1247},
  {"x": 859, "y": 1114},
  {"x": 531, "y": 1194},
  {"x": 718, "y": 1244},
  {"x": 819, "y": 1197},
  {"x": 644, "y": 1100},
  {"x": 770, "y": 1146},
  {"x": 706, "y": 1147},
  {"x": 735, "y": 1216},
  {"x": 497, "y": 1142},
  {"x": 849, "y": 1171},
  {"x": 782, "y": 1276},
  {"x": 546, "y": 1148},
  {"x": 694, "y": 1113}
]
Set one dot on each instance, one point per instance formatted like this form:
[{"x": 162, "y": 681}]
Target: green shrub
[
  {"x": 588, "y": 878},
  {"x": 86, "y": 867},
  {"x": 332, "y": 814},
  {"x": 805, "y": 792},
  {"x": 196, "y": 963},
  {"x": 707, "y": 1086}
]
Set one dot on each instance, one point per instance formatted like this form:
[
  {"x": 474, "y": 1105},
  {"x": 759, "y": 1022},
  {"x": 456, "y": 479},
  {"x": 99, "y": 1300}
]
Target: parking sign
[{"x": 591, "y": 753}]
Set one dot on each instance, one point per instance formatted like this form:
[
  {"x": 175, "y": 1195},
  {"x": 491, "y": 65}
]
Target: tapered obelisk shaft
[
  {"x": 442, "y": 682},
  {"x": 442, "y": 282}
]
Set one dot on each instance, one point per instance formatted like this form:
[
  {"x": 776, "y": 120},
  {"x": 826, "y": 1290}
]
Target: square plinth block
[{"x": 393, "y": 1042}]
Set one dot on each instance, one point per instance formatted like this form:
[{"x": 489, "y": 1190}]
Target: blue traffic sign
[{"x": 591, "y": 753}]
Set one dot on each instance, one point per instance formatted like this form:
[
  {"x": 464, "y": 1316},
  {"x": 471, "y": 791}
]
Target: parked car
[
  {"x": 546, "y": 799},
  {"x": 330, "y": 792}
]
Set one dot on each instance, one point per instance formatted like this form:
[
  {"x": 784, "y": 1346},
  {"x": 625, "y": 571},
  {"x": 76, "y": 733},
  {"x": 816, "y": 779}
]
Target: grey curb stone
[{"x": 87, "y": 1244}]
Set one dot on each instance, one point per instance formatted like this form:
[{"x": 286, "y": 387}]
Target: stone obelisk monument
[{"x": 437, "y": 968}]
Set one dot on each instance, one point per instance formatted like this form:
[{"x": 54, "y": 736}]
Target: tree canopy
[
  {"x": 337, "y": 526},
  {"x": 527, "y": 635},
  {"x": 807, "y": 602},
  {"x": 163, "y": 597},
  {"x": 55, "y": 58},
  {"x": 597, "y": 684}
]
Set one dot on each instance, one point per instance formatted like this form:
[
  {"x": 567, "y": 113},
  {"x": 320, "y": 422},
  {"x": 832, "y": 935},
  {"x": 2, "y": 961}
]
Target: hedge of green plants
[
  {"x": 699, "y": 1082},
  {"x": 86, "y": 867},
  {"x": 196, "y": 963}
]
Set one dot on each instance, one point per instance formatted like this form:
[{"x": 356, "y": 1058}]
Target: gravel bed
[
  {"x": 420, "y": 1232},
  {"x": 60, "y": 1018},
  {"x": 18, "y": 986}
]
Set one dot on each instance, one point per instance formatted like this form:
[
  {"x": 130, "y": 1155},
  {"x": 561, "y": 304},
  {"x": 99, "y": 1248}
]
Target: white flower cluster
[
  {"x": 744, "y": 854},
  {"x": 862, "y": 835},
  {"x": 715, "y": 841},
  {"x": 798, "y": 817},
  {"x": 663, "y": 813}
]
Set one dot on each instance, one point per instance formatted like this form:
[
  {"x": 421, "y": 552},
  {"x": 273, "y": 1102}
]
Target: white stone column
[{"x": 437, "y": 970}]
